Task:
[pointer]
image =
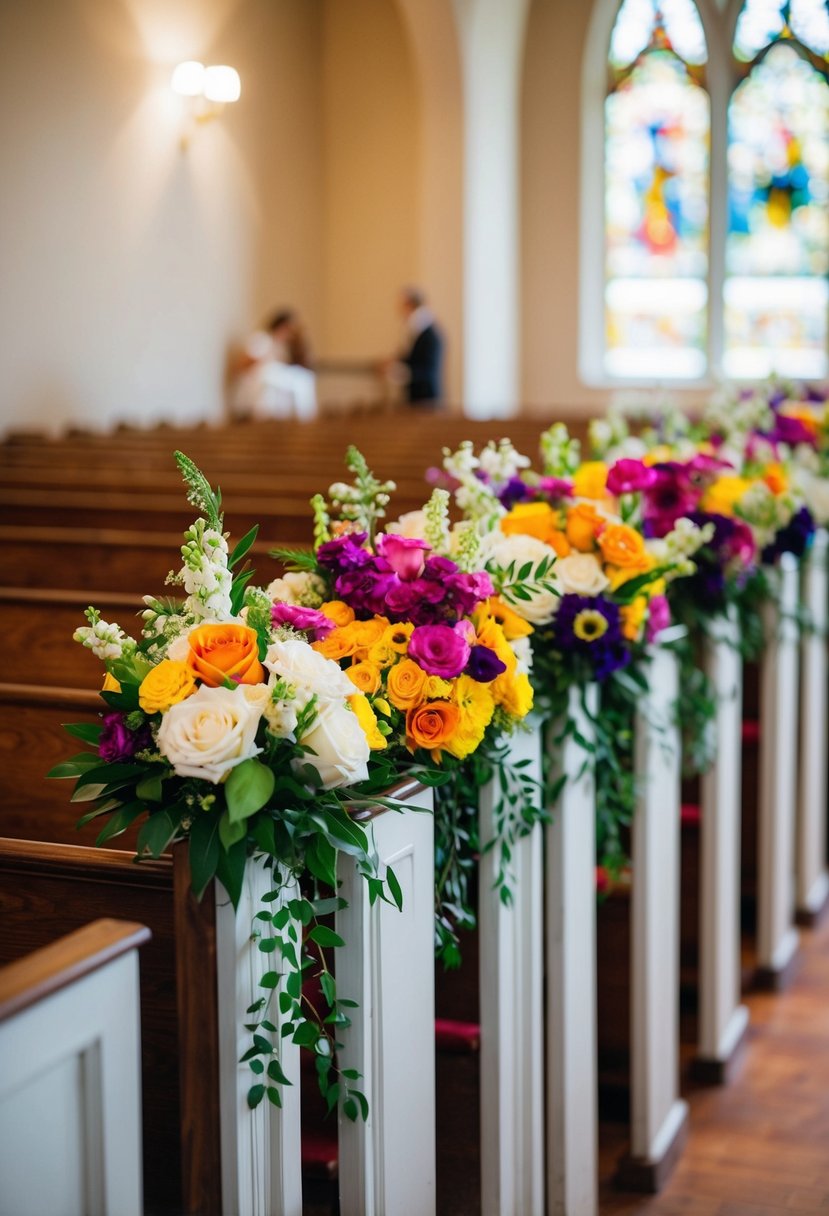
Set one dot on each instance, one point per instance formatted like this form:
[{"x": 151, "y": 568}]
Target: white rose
[
  {"x": 310, "y": 672},
  {"x": 212, "y": 731},
  {"x": 542, "y": 605},
  {"x": 299, "y": 587},
  {"x": 412, "y": 524},
  {"x": 339, "y": 745},
  {"x": 581, "y": 574}
]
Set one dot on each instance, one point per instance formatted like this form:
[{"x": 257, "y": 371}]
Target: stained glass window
[
  {"x": 777, "y": 249},
  {"x": 656, "y": 193}
]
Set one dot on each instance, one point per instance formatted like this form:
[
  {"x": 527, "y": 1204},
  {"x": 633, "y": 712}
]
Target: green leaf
[
  {"x": 324, "y": 936},
  {"x": 109, "y": 804},
  {"x": 276, "y": 1074},
  {"x": 88, "y": 732},
  {"x": 342, "y": 832},
  {"x": 158, "y": 832},
  {"x": 394, "y": 888},
  {"x": 248, "y": 788},
  {"x": 321, "y": 860},
  {"x": 106, "y": 774},
  {"x": 231, "y": 870},
  {"x": 255, "y": 1095},
  {"x": 329, "y": 987},
  {"x": 230, "y": 833},
  {"x": 120, "y": 821},
  {"x": 263, "y": 833},
  {"x": 75, "y": 766},
  {"x": 150, "y": 787},
  {"x": 270, "y": 980},
  {"x": 203, "y": 851},
  {"x": 256, "y": 1066},
  {"x": 274, "y": 1096},
  {"x": 242, "y": 547}
]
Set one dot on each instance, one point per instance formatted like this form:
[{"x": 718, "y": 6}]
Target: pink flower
[
  {"x": 629, "y": 477},
  {"x": 440, "y": 650},
  {"x": 405, "y": 555},
  {"x": 659, "y": 617},
  {"x": 306, "y": 620}
]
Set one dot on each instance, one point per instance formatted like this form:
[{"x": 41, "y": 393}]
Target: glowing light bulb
[
  {"x": 222, "y": 83},
  {"x": 189, "y": 79}
]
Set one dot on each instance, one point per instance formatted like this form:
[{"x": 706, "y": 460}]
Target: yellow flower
[
  {"x": 110, "y": 684},
  {"x": 437, "y": 687},
  {"x": 590, "y": 480},
  {"x": 366, "y": 634},
  {"x": 338, "y": 612},
  {"x": 393, "y": 643},
  {"x": 365, "y": 676},
  {"x": 722, "y": 497},
  {"x": 166, "y": 685},
  {"x": 590, "y": 625},
  {"x": 658, "y": 455},
  {"x": 491, "y": 635},
  {"x": 776, "y": 479},
  {"x": 368, "y": 720},
  {"x": 530, "y": 519},
  {"x": 514, "y": 693},
  {"x": 477, "y": 705},
  {"x": 406, "y": 684},
  {"x": 633, "y": 617},
  {"x": 583, "y": 523},
  {"x": 623, "y": 546},
  {"x": 513, "y": 625}
]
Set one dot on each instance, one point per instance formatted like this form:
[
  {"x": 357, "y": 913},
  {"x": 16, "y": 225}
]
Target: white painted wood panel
[
  {"x": 722, "y": 1019},
  {"x": 812, "y": 879},
  {"x": 387, "y": 1165},
  {"x": 572, "y": 1129},
  {"x": 70, "y": 1100},
  {"x": 261, "y": 1150},
  {"x": 657, "y": 1113},
  {"x": 511, "y": 1005},
  {"x": 777, "y": 938}
]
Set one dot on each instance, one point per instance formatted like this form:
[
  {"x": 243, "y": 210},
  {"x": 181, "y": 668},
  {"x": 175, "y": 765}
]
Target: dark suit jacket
[{"x": 424, "y": 364}]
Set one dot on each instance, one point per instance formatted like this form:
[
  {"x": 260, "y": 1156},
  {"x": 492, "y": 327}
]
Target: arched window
[
  {"x": 657, "y": 120},
  {"x": 777, "y": 247}
]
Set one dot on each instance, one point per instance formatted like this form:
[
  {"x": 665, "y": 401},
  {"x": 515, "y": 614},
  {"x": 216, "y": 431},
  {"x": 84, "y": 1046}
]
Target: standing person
[{"x": 419, "y": 368}]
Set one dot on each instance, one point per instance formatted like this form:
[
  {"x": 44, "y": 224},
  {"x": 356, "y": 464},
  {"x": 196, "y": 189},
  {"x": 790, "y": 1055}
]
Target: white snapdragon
[
  {"x": 298, "y": 587},
  {"x": 501, "y": 461},
  {"x": 476, "y": 499},
  {"x": 205, "y": 575},
  {"x": 679, "y": 546},
  {"x": 561, "y": 454},
  {"x": 106, "y": 640},
  {"x": 814, "y": 490}
]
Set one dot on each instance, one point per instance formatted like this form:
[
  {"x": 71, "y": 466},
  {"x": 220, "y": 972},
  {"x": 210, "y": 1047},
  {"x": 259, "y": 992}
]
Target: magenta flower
[
  {"x": 405, "y": 555},
  {"x": 555, "y": 487},
  {"x": 440, "y": 650},
  {"x": 659, "y": 617},
  {"x": 307, "y": 620},
  {"x": 630, "y": 477},
  {"x": 118, "y": 743}
]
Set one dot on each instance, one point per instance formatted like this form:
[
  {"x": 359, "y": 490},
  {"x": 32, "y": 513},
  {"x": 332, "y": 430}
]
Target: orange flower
[
  {"x": 338, "y": 612},
  {"x": 530, "y": 519},
  {"x": 406, "y": 684},
  {"x": 513, "y": 625},
  {"x": 340, "y": 644},
  {"x": 220, "y": 652},
  {"x": 623, "y": 546},
  {"x": 590, "y": 480},
  {"x": 365, "y": 676},
  {"x": 583, "y": 525},
  {"x": 431, "y": 725},
  {"x": 559, "y": 542},
  {"x": 776, "y": 479},
  {"x": 367, "y": 633}
]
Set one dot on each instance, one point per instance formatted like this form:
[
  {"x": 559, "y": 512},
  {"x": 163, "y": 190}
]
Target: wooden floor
[{"x": 761, "y": 1146}]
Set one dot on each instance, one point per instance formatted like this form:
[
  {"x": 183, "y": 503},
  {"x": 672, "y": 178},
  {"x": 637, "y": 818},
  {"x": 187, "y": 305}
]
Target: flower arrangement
[
  {"x": 436, "y": 655},
  {"x": 224, "y": 726}
]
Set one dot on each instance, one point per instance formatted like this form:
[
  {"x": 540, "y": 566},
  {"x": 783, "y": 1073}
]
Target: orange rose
[
  {"x": 432, "y": 725},
  {"x": 225, "y": 652},
  {"x": 338, "y": 612},
  {"x": 559, "y": 542},
  {"x": 623, "y": 546},
  {"x": 406, "y": 684},
  {"x": 583, "y": 525},
  {"x": 365, "y": 676},
  {"x": 529, "y": 519}
]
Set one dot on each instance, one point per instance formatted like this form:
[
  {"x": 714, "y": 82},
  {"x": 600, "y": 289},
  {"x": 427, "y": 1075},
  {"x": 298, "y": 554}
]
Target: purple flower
[
  {"x": 307, "y": 620},
  {"x": 439, "y": 477},
  {"x": 440, "y": 650},
  {"x": 484, "y": 664},
  {"x": 513, "y": 491},
  {"x": 118, "y": 742},
  {"x": 555, "y": 487},
  {"x": 629, "y": 477},
  {"x": 344, "y": 553},
  {"x": 365, "y": 589},
  {"x": 659, "y": 617},
  {"x": 606, "y": 649},
  {"x": 794, "y": 538},
  {"x": 404, "y": 554},
  {"x": 792, "y": 431}
]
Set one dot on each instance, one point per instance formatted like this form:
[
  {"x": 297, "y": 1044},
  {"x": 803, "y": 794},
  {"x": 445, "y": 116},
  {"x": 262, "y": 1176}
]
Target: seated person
[{"x": 273, "y": 379}]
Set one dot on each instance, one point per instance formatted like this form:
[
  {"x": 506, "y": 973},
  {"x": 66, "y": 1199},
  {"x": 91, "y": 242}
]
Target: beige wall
[
  {"x": 128, "y": 266},
  {"x": 371, "y": 173}
]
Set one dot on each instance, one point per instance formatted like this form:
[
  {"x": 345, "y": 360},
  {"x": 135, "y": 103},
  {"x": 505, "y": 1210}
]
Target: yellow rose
[
  {"x": 722, "y": 497},
  {"x": 406, "y": 684},
  {"x": 633, "y": 617},
  {"x": 365, "y": 676},
  {"x": 338, "y": 612},
  {"x": 340, "y": 644},
  {"x": 623, "y": 546},
  {"x": 530, "y": 519},
  {"x": 368, "y": 720},
  {"x": 590, "y": 480},
  {"x": 166, "y": 685}
]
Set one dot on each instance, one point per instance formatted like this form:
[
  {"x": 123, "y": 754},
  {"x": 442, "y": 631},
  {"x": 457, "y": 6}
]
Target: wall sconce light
[{"x": 207, "y": 90}]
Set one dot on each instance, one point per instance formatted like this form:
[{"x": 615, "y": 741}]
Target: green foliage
[{"x": 199, "y": 492}]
